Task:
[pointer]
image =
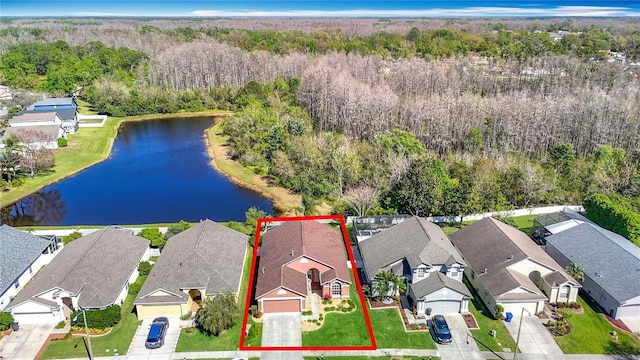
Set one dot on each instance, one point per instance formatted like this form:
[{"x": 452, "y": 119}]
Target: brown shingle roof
[{"x": 292, "y": 240}]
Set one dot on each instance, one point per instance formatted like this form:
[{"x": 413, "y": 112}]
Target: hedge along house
[
  {"x": 421, "y": 253},
  {"x": 204, "y": 260},
  {"x": 298, "y": 259},
  {"x": 507, "y": 268},
  {"x": 92, "y": 272}
]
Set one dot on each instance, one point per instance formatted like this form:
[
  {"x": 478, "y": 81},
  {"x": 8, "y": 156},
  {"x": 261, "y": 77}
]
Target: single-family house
[
  {"x": 419, "y": 251},
  {"x": 611, "y": 265},
  {"x": 204, "y": 260},
  {"x": 298, "y": 259},
  {"x": 66, "y": 109},
  {"x": 92, "y": 272},
  {"x": 48, "y": 126},
  {"x": 507, "y": 268},
  {"x": 21, "y": 256}
]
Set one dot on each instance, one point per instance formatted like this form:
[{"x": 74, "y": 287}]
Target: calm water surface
[{"x": 158, "y": 172}]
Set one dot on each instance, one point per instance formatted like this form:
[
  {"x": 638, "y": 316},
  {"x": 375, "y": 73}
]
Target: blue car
[
  {"x": 157, "y": 332},
  {"x": 440, "y": 329}
]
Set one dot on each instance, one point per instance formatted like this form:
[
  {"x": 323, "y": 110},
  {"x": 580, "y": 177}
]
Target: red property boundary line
[{"x": 345, "y": 237}]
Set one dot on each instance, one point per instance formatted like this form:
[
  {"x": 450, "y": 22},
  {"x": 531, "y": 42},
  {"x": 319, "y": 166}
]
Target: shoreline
[
  {"x": 284, "y": 202},
  {"x": 25, "y": 190}
]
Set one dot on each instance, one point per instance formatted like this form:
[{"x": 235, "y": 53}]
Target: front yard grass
[
  {"x": 117, "y": 341},
  {"x": 228, "y": 340},
  {"x": 485, "y": 323},
  {"x": 341, "y": 329},
  {"x": 389, "y": 332},
  {"x": 590, "y": 333}
]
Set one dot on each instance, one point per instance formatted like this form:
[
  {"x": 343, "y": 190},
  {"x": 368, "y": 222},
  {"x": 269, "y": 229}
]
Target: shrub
[
  {"x": 98, "y": 319},
  {"x": 254, "y": 330},
  {"x": 17, "y": 182},
  {"x": 321, "y": 317},
  {"x": 253, "y": 309},
  {"x": 329, "y": 308},
  {"x": 5, "y": 320},
  {"x": 154, "y": 235},
  {"x": 327, "y": 297},
  {"x": 190, "y": 330},
  {"x": 61, "y": 325},
  {"x": 73, "y": 236},
  {"x": 186, "y": 316},
  {"x": 499, "y": 311},
  {"x": 218, "y": 313},
  {"x": 305, "y": 313},
  {"x": 144, "y": 268},
  {"x": 134, "y": 288},
  {"x": 62, "y": 142}
]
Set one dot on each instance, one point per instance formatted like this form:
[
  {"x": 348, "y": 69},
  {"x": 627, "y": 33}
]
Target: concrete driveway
[
  {"x": 459, "y": 348},
  {"x": 535, "y": 339},
  {"x": 282, "y": 329},
  {"x": 137, "y": 351},
  {"x": 25, "y": 343}
]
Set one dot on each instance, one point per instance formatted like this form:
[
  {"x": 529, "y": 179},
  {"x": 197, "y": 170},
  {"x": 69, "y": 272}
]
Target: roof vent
[
  {"x": 510, "y": 257},
  {"x": 263, "y": 268},
  {"x": 485, "y": 271},
  {"x": 291, "y": 252}
]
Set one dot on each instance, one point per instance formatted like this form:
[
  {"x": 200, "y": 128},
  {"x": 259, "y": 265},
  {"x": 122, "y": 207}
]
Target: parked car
[
  {"x": 157, "y": 332},
  {"x": 440, "y": 329}
]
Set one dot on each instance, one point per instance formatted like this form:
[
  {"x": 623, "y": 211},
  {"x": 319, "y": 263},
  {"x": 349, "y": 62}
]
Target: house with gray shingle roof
[
  {"x": 611, "y": 265},
  {"x": 92, "y": 272},
  {"x": 300, "y": 259},
  {"x": 507, "y": 268},
  {"x": 204, "y": 260},
  {"x": 419, "y": 251},
  {"x": 21, "y": 256}
]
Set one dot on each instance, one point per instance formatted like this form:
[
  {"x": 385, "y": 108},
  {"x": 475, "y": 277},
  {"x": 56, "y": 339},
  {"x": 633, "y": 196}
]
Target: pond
[{"x": 159, "y": 171}]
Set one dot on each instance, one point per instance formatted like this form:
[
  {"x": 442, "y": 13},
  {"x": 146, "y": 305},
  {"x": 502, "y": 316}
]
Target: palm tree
[
  {"x": 392, "y": 283},
  {"x": 576, "y": 271}
]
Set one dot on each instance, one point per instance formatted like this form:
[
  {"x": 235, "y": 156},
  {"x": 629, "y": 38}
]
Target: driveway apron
[
  {"x": 25, "y": 343},
  {"x": 137, "y": 351},
  {"x": 462, "y": 347},
  {"x": 281, "y": 329},
  {"x": 534, "y": 338}
]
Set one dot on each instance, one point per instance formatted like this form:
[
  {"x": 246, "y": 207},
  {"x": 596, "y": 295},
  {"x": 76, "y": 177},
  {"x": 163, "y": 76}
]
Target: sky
[{"x": 319, "y": 8}]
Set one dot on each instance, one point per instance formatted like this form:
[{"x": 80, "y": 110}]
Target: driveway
[
  {"x": 282, "y": 329},
  {"x": 25, "y": 343},
  {"x": 534, "y": 338},
  {"x": 460, "y": 348},
  {"x": 137, "y": 351}
]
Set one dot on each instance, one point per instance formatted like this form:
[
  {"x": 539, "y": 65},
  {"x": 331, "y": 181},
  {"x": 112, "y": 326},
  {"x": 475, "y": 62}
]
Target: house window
[
  {"x": 421, "y": 272},
  {"x": 336, "y": 289},
  {"x": 454, "y": 273}
]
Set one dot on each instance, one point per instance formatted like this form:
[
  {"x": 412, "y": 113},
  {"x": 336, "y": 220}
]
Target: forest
[{"x": 420, "y": 116}]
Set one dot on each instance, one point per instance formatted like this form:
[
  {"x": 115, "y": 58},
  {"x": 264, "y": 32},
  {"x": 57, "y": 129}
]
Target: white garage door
[
  {"x": 443, "y": 307},
  {"x": 36, "y": 318}
]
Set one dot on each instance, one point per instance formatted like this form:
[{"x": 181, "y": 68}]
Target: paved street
[{"x": 137, "y": 351}]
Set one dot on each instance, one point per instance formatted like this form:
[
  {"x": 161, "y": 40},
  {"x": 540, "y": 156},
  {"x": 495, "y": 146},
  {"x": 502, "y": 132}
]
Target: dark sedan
[
  {"x": 157, "y": 332},
  {"x": 440, "y": 329}
]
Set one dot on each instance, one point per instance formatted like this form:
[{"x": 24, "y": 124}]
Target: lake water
[{"x": 158, "y": 171}]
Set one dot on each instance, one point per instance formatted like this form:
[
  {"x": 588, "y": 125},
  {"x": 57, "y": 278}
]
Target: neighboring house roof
[
  {"x": 206, "y": 256},
  {"x": 417, "y": 240},
  {"x": 437, "y": 281},
  {"x": 495, "y": 246},
  {"x": 51, "y": 131},
  {"x": 18, "y": 250},
  {"x": 97, "y": 265},
  {"x": 34, "y": 116},
  {"x": 613, "y": 265},
  {"x": 55, "y": 101},
  {"x": 64, "y": 114},
  {"x": 291, "y": 241}
]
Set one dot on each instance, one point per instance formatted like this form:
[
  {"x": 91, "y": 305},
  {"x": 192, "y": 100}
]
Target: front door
[{"x": 314, "y": 277}]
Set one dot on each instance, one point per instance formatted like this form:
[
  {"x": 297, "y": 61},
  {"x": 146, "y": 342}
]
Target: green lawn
[
  {"x": 85, "y": 108},
  {"x": 590, "y": 334},
  {"x": 485, "y": 323},
  {"x": 118, "y": 339},
  {"x": 341, "y": 329},
  {"x": 389, "y": 332},
  {"x": 525, "y": 223},
  {"x": 230, "y": 339}
]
